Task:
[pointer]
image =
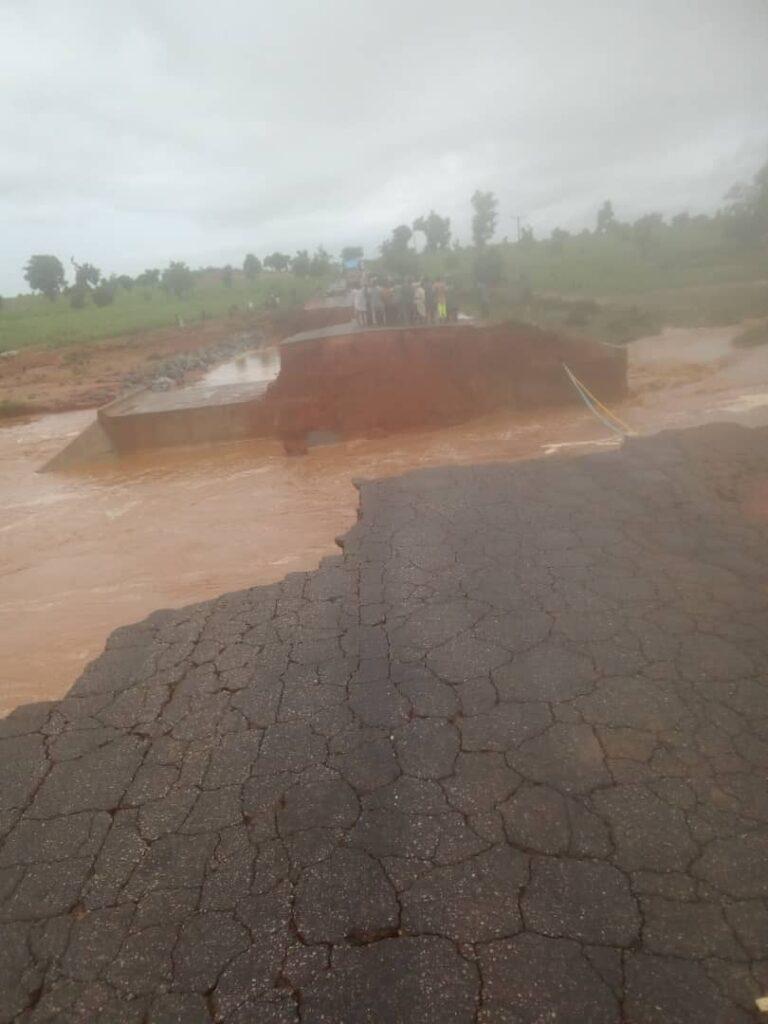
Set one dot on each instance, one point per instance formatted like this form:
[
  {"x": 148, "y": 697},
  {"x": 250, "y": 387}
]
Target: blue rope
[{"x": 591, "y": 406}]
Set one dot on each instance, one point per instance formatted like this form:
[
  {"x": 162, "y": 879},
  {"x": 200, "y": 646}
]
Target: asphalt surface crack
[{"x": 501, "y": 760}]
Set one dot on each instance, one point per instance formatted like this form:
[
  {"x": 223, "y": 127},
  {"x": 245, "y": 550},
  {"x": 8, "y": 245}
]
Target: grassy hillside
[
  {"x": 616, "y": 285},
  {"x": 34, "y": 321},
  {"x": 607, "y": 265}
]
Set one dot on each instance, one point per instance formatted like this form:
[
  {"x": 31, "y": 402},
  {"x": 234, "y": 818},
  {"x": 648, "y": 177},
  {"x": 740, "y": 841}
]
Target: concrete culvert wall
[{"x": 343, "y": 381}]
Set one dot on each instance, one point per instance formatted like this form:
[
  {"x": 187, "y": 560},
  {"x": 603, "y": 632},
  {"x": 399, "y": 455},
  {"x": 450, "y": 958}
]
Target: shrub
[
  {"x": 77, "y": 297},
  {"x": 104, "y": 295}
]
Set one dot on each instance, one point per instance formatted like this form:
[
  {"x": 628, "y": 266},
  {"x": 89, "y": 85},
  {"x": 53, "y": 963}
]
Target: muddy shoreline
[
  {"x": 44, "y": 381},
  {"x": 40, "y": 381}
]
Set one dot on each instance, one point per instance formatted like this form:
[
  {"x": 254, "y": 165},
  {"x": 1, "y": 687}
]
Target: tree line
[
  {"x": 45, "y": 274},
  {"x": 399, "y": 258},
  {"x": 743, "y": 219}
]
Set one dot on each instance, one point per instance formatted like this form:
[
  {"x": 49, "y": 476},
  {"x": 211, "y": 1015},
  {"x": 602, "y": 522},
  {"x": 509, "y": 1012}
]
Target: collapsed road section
[
  {"x": 354, "y": 382},
  {"x": 501, "y": 760},
  {"x": 344, "y": 381}
]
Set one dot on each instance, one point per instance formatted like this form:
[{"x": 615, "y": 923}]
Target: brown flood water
[{"x": 84, "y": 552}]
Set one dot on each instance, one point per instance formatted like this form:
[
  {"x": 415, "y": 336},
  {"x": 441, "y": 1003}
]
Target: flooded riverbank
[{"x": 86, "y": 552}]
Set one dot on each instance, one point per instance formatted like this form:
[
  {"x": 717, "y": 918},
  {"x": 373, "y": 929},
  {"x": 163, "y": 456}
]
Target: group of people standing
[{"x": 384, "y": 303}]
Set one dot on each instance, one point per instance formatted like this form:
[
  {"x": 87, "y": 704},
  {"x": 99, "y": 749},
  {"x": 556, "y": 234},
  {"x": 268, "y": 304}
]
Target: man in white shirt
[{"x": 360, "y": 305}]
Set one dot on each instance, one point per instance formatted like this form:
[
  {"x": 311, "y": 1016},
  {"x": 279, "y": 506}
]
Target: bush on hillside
[{"x": 104, "y": 295}]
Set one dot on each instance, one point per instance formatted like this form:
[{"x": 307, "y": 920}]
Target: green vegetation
[
  {"x": 251, "y": 266},
  {"x": 604, "y": 285},
  {"x": 35, "y": 321},
  {"x": 693, "y": 272},
  {"x": 277, "y": 261},
  {"x": 618, "y": 281},
  {"x": 45, "y": 274},
  {"x": 179, "y": 280},
  {"x": 484, "y": 217},
  {"x": 397, "y": 257},
  {"x": 436, "y": 230}
]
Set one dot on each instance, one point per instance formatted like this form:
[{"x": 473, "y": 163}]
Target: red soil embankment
[{"x": 362, "y": 383}]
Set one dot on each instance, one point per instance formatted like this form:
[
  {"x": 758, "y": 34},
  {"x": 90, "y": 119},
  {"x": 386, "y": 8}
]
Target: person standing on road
[
  {"x": 406, "y": 301},
  {"x": 452, "y": 302},
  {"x": 419, "y": 301},
  {"x": 367, "y": 290},
  {"x": 429, "y": 300},
  {"x": 360, "y": 305},
  {"x": 390, "y": 308},
  {"x": 440, "y": 297},
  {"x": 377, "y": 304}
]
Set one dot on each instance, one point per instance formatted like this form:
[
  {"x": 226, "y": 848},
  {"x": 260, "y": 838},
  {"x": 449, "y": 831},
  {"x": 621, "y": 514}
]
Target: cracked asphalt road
[{"x": 503, "y": 761}]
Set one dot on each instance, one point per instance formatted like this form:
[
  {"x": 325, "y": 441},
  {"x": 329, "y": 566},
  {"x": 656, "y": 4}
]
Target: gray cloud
[{"x": 199, "y": 131}]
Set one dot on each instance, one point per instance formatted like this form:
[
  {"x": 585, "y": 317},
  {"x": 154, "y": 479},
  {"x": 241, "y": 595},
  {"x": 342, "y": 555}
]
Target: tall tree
[
  {"x": 45, "y": 274},
  {"x": 148, "y": 279},
  {"x": 251, "y": 266},
  {"x": 397, "y": 256},
  {"x": 321, "y": 262},
  {"x": 177, "y": 278},
  {"x": 277, "y": 261},
  {"x": 485, "y": 205},
  {"x": 557, "y": 239},
  {"x": 436, "y": 230},
  {"x": 401, "y": 236},
  {"x": 747, "y": 210},
  {"x": 86, "y": 275},
  {"x": 104, "y": 294},
  {"x": 301, "y": 264},
  {"x": 646, "y": 230},
  {"x": 606, "y": 218}
]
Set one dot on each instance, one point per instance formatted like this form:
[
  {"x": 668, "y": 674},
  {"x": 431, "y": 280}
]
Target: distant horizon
[{"x": 373, "y": 253}]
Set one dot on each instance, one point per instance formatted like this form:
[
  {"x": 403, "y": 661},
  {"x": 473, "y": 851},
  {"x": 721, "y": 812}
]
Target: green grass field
[
  {"x": 34, "y": 321},
  {"x": 687, "y": 277}
]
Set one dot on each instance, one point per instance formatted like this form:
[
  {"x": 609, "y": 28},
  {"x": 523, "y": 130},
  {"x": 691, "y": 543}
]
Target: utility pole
[{"x": 518, "y": 218}]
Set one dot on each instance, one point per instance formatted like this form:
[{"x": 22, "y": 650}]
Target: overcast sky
[{"x": 147, "y": 130}]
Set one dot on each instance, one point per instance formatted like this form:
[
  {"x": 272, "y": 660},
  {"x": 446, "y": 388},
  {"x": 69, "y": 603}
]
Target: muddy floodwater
[
  {"x": 83, "y": 552},
  {"x": 262, "y": 365}
]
